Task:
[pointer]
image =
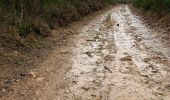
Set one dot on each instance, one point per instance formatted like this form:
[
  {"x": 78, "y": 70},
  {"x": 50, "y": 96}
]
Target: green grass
[
  {"x": 154, "y": 5},
  {"x": 119, "y": 1}
]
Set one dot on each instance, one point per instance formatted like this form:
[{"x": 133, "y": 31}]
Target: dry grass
[{"x": 29, "y": 15}]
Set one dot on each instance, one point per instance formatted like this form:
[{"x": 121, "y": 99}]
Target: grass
[
  {"x": 156, "y": 12},
  {"x": 30, "y": 15},
  {"x": 155, "y": 5},
  {"x": 26, "y": 16}
]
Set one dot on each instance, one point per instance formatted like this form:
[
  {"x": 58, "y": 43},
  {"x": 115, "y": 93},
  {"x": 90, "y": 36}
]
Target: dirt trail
[
  {"x": 118, "y": 58},
  {"x": 114, "y": 57}
]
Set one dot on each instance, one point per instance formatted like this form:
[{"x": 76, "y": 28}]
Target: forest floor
[{"x": 113, "y": 56}]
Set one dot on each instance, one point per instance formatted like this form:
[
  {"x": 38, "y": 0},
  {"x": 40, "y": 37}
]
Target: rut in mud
[{"x": 118, "y": 58}]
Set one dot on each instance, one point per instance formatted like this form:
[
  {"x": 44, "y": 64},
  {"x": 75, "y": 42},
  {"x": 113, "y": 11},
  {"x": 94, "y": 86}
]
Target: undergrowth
[
  {"x": 155, "y": 5},
  {"x": 36, "y": 15}
]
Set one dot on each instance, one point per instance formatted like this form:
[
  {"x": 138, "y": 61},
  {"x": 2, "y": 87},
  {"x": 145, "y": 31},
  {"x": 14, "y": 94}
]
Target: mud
[
  {"x": 113, "y": 57},
  {"x": 118, "y": 58}
]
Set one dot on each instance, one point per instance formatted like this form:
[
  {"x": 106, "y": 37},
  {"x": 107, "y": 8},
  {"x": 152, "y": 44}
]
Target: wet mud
[{"x": 117, "y": 57}]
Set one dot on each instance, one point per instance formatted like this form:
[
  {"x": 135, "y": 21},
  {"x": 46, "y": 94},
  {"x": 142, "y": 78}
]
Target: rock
[
  {"x": 22, "y": 93},
  {"x": 164, "y": 73},
  {"x": 43, "y": 29},
  {"x": 86, "y": 88},
  {"x": 39, "y": 79},
  {"x": 89, "y": 54},
  {"x": 107, "y": 69},
  {"x": 81, "y": 72},
  {"x": 67, "y": 91},
  {"x": 3, "y": 90},
  {"x": 36, "y": 93},
  {"x": 23, "y": 74},
  {"x": 147, "y": 60},
  {"x": 48, "y": 70},
  {"x": 9, "y": 81},
  {"x": 168, "y": 87},
  {"x": 73, "y": 32},
  {"x": 144, "y": 75},
  {"x": 93, "y": 95},
  {"x": 153, "y": 68},
  {"x": 155, "y": 71},
  {"x": 16, "y": 53},
  {"x": 33, "y": 74},
  {"x": 139, "y": 39},
  {"x": 64, "y": 52},
  {"x": 89, "y": 39},
  {"x": 46, "y": 84},
  {"x": 109, "y": 58},
  {"x": 126, "y": 58},
  {"x": 146, "y": 81}
]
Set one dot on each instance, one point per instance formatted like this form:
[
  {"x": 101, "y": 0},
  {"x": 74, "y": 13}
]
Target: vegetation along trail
[{"x": 116, "y": 56}]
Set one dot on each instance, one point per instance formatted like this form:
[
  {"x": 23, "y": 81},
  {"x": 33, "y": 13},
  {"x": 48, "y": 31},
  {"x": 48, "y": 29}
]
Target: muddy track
[
  {"x": 114, "y": 57},
  {"x": 114, "y": 60}
]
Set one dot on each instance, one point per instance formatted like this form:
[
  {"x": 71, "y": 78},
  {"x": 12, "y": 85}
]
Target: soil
[{"x": 113, "y": 56}]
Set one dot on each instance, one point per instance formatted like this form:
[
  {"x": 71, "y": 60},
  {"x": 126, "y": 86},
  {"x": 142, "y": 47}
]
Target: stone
[
  {"x": 33, "y": 74},
  {"x": 86, "y": 88},
  {"x": 39, "y": 79}
]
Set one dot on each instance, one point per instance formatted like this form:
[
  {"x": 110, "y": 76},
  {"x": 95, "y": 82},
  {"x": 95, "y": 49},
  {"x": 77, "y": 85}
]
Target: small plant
[{"x": 25, "y": 27}]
